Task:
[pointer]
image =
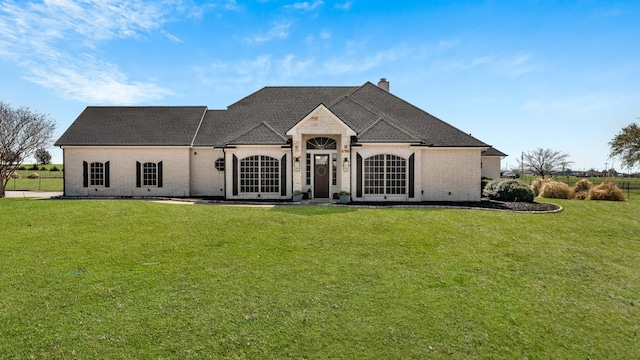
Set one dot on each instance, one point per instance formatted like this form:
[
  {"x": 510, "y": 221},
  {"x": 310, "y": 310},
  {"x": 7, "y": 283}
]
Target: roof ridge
[
  {"x": 262, "y": 123},
  {"x": 390, "y": 123},
  {"x": 195, "y": 134}
]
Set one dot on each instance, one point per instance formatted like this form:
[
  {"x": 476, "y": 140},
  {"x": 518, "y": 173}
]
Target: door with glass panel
[{"x": 321, "y": 176}]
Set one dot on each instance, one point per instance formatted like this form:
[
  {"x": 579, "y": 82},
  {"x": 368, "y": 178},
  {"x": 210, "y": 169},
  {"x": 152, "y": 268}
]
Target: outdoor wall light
[
  {"x": 296, "y": 165},
  {"x": 345, "y": 165}
]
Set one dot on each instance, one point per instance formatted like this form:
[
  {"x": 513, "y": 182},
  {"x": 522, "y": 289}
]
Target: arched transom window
[
  {"x": 385, "y": 175},
  {"x": 321, "y": 143}
]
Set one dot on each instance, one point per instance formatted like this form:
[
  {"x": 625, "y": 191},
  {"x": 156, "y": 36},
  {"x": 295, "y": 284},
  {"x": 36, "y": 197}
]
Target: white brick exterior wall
[
  {"x": 451, "y": 174},
  {"x": 491, "y": 167},
  {"x": 122, "y": 166},
  {"x": 205, "y": 179}
]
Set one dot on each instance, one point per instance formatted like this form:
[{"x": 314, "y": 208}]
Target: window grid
[
  {"x": 321, "y": 143},
  {"x": 97, "y": 173},
  {"x": 259, "y": 174},
  {"x": 308, "y": 169},
  {"x": 149, "y": 174},
  {"x": 385, "y": 175},
  {"x": 334, "y": 167}
]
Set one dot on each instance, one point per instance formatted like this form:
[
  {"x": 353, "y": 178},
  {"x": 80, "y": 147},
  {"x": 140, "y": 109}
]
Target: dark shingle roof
[
  {"x": 264, "y": 117},
  {"x": 493, "y": 152},
  {"x": 152, "y": 126}
]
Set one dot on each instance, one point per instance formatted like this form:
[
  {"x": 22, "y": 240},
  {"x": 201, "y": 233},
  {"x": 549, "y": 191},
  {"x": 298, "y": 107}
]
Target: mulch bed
[{"x": 484, "y": 204}]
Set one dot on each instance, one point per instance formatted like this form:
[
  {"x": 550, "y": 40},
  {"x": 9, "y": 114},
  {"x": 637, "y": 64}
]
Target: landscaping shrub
[
  {"x": 34, "y": 167},
  {"x": 483, "y": 182},
  {"x": 606, "y": 191},
  {"x": 536, "y": 185},
  {"x": 581, "y": 189},
  {"x": 33, "y": 175},
  {"x": 21, "y": 167},
  {"x": 54, "y": 168},
  {"x": 555, "y": 190},
  {"x": 43, "y": 168},
  {"x": 508, "y": 190}
]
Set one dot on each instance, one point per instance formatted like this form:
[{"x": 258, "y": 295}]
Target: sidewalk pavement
[{"x": 32, "y": 194}]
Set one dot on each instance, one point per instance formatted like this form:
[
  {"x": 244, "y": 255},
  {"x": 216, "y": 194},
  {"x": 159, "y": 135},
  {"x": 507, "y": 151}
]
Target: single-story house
[{"x": 319, "y": 140}]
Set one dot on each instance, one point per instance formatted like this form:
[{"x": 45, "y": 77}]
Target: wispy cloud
[
  {"x": 279, "y": 30},
  {"x": 511, "y": 65},
  {"x": 306, "y": 6},
  {"x": 263, "y": 69},
  {"x": 90, "y": 80},
  {"x": 344, "y": 6},
  {"x": 44, "y": 30},
  {"x": 354, "y": 64}
]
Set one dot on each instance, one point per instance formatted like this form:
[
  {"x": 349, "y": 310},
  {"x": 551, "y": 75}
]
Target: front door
[{"x": 321, "y": 176}]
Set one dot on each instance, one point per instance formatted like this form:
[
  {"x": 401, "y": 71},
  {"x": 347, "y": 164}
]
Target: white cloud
[
  {"x": 344, "y": 6},
  {"x": 40, "y": 37},
  {"x": 306, "y": 6},
  {"x": 279, "y": 30},
  {"x": 340, "y": 66},
  {"x": 263, "y": 69},
  {"x": 90, "y": 80}
]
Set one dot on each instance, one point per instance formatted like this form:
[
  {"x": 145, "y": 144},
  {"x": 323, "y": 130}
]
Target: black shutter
[
  {"x": 85, "y": 174},
  {"x": 160, "y": 174},
  {"x": 412, "y": 175},
  {"x": 283, "y": 176},
  {"x": 358, "y": 175},
  {"x": 106, "y": 175},
  {"x": 138, "y": 174},
  {"x": 235, "y": 175}
]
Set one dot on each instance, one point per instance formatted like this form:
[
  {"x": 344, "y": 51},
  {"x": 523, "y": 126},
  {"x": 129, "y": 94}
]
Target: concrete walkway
[{"x": 32, "y": 194}]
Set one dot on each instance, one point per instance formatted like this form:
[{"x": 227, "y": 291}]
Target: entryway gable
[{"x": 321, "y": 121}]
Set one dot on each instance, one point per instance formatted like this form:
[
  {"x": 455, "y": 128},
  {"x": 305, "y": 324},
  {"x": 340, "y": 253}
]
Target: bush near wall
[{"x": 508, "y": 190}]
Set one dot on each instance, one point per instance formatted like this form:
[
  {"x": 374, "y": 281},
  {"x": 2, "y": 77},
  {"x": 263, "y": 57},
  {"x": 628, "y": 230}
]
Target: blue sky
[{"x": 517, "y": 75}]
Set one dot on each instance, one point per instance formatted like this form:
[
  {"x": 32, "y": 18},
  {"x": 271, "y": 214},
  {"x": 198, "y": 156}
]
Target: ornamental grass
[
  {"x": 581, "y": 189},
  {"x": 606, "y": 191},
  {"x": 552, "y": 189}
]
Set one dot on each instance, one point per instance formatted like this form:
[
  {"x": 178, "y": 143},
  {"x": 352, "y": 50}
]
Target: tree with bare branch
[
  {"x": 22, "y": 132},
  {"x": 542, "y": 161},
  {"x": 626, "y": 145}
]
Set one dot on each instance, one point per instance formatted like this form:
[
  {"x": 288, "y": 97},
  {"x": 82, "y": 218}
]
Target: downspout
[
  {"x": 351, "y": 168},
  {"x": 64, "y": 176},
  {"x": 291, "y": 167}
]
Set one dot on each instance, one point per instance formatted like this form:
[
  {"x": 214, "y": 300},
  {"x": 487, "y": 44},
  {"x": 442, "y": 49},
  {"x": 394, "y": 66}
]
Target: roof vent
[{"x": 384, "y": 84}]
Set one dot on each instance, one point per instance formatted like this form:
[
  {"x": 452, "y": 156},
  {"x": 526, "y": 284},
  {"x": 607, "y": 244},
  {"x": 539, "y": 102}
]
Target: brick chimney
[{"x": 384, "y": 84}]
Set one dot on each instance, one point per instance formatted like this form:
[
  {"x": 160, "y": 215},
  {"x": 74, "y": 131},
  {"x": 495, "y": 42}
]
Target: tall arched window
[
  {"x": 97, "y": 173},
  {"x": 385, "y": 175},
  {"x": 259, "y": 174}
]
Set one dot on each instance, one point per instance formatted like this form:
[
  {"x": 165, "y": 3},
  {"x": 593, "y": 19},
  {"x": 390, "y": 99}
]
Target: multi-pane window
[
  {"x": 321, "y": 143},
  {"x": 259, "y": 173},
  {"x": 308, "y": 169},
  {"x": 334, "y": 167},
  {"x": 96, "y": 173},
  {"x": 385, "y": 174},
  {"x": 149, "y": 174}
]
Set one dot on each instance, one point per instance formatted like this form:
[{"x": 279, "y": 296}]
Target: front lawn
[{"x": 136, "y": 279}]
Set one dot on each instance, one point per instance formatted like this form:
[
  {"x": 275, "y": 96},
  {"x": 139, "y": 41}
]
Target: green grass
[
  {"x": 48, "y": 181},
  {"x": 135, "y": 279}
]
